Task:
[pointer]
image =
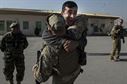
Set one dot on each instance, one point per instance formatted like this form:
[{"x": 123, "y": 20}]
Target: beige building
[
  {"x": 30, "y": 19},
  {"x": 99, "y": 24}
]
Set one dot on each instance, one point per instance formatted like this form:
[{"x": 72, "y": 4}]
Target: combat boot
[
  {"x": 10, "y": 82},
  {"x": 116, "y": 59},
  {"x": 18, "y": 82}
]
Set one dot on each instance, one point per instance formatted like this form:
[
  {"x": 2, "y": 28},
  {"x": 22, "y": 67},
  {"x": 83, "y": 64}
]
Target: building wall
[
  {"x": 95, "y": 25},
  {"x": 31, "y": 19},
  {"x": 100, "y": 25}
]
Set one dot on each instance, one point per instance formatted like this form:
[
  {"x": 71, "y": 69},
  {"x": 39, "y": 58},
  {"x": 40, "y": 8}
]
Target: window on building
[
  {"x": 103, "y": 25},
  {"x": 25, "y": 25},
  {"x": 2, "y": 25},
  {"x": 38, "y": 24},
  {"x": 96, "y": 29}
]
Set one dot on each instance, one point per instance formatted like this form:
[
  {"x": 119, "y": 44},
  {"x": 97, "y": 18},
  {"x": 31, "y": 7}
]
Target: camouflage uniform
[
  {"x": 67, "y": 72},
  {"x": 69, "y": 62},
  {"x": 13, "y": 45},
  {"x": 78, "y": 32},
  {"x": 116, "y": 35},
  {"x": 68, "y": 67}
]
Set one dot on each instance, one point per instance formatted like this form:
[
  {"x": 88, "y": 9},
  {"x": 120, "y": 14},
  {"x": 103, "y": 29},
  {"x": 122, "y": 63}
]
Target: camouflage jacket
[
  {"x": 13, "y": 43},
  {"x": 77, "y": 31},
  {"x": 117, "y": 32},
  {"x": 65, "y": 63},
  {"x": 79, "y": 28}
]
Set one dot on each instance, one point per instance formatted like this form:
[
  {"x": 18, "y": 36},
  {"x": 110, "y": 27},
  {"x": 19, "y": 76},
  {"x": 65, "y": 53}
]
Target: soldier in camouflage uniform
[
  {"x": 69, "y": 62},
  {"x": 117, "y": 35},
  {"x": 68, "y": 58},
  {"x": 52, "y": 45},
  {"x": 13, "y": 44}
]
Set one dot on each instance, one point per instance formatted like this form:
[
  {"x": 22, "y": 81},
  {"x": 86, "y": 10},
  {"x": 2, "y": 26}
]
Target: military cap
[
  {"x": 57, "y": 22},
  {"x": 14, "y": 25}
]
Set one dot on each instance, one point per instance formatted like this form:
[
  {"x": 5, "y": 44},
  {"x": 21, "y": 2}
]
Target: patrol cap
[
  {"x": 14, "y": 25},
  {"x": 57, "y": 22}
]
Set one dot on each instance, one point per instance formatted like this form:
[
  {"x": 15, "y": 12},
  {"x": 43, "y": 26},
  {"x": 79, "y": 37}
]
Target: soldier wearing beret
[
  {"x": 117, "y": 34},
  {"x": 13, "y": 44}
]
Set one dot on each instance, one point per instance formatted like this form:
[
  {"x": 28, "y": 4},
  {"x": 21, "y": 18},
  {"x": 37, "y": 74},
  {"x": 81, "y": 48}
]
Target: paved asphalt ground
[{"x": 99, "y": 69}]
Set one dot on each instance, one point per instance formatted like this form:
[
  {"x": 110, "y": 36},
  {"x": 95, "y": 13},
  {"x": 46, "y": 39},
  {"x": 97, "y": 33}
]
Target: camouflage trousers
[
  {"x": 116, "y": 49},
  {"x": 12, "y": 61}
]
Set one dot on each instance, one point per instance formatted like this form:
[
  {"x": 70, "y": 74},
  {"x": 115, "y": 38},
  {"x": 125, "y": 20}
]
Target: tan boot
[
  {"x": 116, "y": 58},
  {"x": 10, "y": 82},
  {"x": 111, "y": 58}
]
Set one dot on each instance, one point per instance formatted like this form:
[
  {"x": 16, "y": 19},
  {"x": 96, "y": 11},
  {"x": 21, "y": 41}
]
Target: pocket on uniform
[{"x": 8, "y": 58}]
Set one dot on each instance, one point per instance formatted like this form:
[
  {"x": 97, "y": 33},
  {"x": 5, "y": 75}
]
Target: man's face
[
  {"x": 69, "y": 15},
  {"x": 120, "y": 22}
]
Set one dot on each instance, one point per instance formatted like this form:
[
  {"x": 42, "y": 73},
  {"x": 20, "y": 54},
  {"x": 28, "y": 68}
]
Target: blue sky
[{"x": 112, "y": 7}]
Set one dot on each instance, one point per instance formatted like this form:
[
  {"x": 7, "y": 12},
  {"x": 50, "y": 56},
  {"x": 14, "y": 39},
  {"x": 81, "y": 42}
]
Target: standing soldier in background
[
  {"x": 13, "y": 44},
  {"x": 117, "y": 35}
]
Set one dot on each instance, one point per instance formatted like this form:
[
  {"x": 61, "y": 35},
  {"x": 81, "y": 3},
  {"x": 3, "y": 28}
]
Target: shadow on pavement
[
  {"x": 103, "y": 54},
  {"x": 123, "y": 60}
]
